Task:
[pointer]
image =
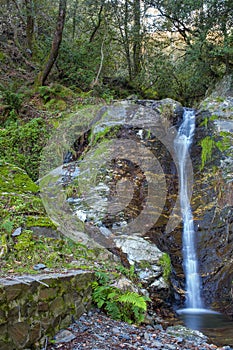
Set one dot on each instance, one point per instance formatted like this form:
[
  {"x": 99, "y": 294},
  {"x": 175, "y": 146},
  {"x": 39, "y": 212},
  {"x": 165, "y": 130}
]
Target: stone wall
[{"x": 34, "y": 308}]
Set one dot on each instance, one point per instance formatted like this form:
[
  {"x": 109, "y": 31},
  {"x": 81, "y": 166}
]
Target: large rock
[
  {"x": 147, "y": 260},
  {"x": 213, "y": 198},
  {"x": 116, "y": 192}
]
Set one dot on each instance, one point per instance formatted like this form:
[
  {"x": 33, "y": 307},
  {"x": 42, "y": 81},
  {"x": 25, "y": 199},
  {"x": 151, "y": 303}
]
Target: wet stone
[
  {"x": 97, "y": 331},
  {"x": 64, "y": 336}
]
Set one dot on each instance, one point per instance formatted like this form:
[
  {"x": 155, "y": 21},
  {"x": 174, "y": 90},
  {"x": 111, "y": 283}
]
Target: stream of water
[
  {"x": 216, "y": 326},
  {"x": 182, "y": 144}
]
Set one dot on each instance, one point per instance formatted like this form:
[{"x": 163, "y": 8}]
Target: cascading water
[
  {"x": 183, "y": 141},
  {"x": 194, "y": 315}
]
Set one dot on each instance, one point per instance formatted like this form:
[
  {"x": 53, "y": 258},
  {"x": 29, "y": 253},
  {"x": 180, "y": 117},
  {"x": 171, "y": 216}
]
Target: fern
[
  {"x": 130, "y": 273},
  {"x": 112, "y": 308},
  {"x": 129, "y": 307},
  {"x": 102, "y": 277},
  {"x": 134, "y": 299}
]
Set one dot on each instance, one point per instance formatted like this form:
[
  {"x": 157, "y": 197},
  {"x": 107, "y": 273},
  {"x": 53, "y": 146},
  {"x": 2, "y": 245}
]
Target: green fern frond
[
  {"x": 129, "y": 307},
  {"x": 134, "y": 299},
  {"x": 113, "y": 294},
  {"x": 113, "y": 310}
]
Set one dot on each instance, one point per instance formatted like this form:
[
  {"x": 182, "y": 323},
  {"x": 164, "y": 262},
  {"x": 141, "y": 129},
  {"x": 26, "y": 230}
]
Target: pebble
[
  {"x": 116, "y": 330},
  {"x": 64, "y": 336},
  {"x": 17, "y": 232},
  {"x": 96, "y": 331},
  {"x": 39, "y": 267}
]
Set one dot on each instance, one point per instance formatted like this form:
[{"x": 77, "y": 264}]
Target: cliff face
[
  {"x": 129, "y": 185},
  {"x": 212, "y": 203},
  {"x": 213, "y": 197},
  {"x": 119, "y": 195}
]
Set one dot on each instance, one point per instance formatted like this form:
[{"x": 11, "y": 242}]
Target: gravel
[{"x": 96, "y": 331}]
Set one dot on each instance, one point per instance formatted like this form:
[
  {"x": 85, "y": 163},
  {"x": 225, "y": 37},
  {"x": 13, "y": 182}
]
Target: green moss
[
  {"x": 25, "y": 242},
  {"x": 143, "y": 264},
  {"x": 207, "y": 145},
  {"x": 39, "y": 221},
  {"x": 165, "y": 262},
  {"x": 19, "y": 199},
  {"x": 2, "y": 56},
  {"x": 21, "y": 144},
  {"x": 15, "y": 180},
  {"x": 95, "y": 137},
  {"x": 107, "y": 132},
  {"x": 57, "y": 105}
]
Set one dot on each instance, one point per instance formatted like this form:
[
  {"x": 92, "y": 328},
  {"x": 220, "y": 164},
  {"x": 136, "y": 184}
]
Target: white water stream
[{"x": 183, "y": 141}]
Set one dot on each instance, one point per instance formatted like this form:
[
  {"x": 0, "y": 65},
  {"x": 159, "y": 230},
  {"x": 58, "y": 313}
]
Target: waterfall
[{"x": 183, "y": 141}]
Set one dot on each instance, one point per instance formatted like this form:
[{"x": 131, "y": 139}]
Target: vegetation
[
  {"x": 22, "y": 144},
  {"x": 21, "y": 209},
  {"x": 126, "y": 306},
  {"x": 116, "y": 48},
  {"x": 57, "y": 56},
  {"x": 209, "y": 144},
  {"x": 165, "y": 262}
]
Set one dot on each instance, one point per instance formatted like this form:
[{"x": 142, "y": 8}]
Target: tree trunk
[
  {"x": 97, "y": 25},
  {"x": 74, "y": 19},
  {"x": 43, "y": 75},
  {"x": 126, "y": 39},
  {"x": 29, "y": 23},
  {"x": 136, "y": 38}
]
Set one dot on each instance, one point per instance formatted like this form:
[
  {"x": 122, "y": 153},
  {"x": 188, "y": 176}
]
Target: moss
[
  {"x": 165, "y": 262},
  {"x": 15, "y": 180},
  {"x": 57, "y": 105},
  {"x": 143, "y": 264},
  {"x": 107, "y": 132},
  {"x": 2, "y": 56},
  {"x": 39, "y": 221},
  {"x": 21, "y": 206}
]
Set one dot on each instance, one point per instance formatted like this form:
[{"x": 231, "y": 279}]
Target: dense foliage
[
  {"x": 22, "y": 144},
  {"x": 154, "y": 48},
  {"x": 122, "y": 305}
]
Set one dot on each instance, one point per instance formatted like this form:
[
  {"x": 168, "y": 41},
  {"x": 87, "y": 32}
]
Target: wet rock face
[
  {"x": 147, "y": 260},
  {"x": 124, "y": 181},
  {"x": 213, "y": 202},
  {"x": 127, "y": 176}
]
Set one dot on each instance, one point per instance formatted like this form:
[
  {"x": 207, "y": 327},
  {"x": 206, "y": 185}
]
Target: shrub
[{"x": 126, "y": 306}]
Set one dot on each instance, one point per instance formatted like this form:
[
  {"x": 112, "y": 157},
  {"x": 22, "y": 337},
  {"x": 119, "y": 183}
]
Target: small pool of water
[{"x": 217, "y": 327}]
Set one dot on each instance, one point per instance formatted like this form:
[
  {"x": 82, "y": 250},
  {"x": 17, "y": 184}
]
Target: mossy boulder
[
  {"x": 28, "y": 237},
  {"x": 20, "y": 201},
  {"x": 15, "y": 180}
]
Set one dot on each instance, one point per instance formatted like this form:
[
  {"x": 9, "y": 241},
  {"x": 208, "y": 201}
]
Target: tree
[
  {"x": 137, "y": 38},
  {"x": 204, "y": 25},
  {"x": 57, "y": 39},
  {"x": 29, "y": 23},
  {"x": 128, "y": 15}
]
